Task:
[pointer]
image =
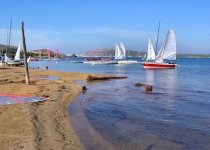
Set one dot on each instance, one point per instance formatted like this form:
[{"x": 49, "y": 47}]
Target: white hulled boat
[
  {"x": 17, "y": 61},
  {"x": 120, "y": 55}
]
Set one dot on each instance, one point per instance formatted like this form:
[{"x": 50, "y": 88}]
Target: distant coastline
[
  {"x": 132, "y": 53},
  {"x": 108, "y": 52},
  {"x": 193, "y": 55}
]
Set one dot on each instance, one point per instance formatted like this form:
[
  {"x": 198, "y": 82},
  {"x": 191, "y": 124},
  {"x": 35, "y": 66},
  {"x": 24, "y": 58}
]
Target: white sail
[
  {"x": 17, "y": 55},
  {"x": 170, "y": 46},
  {"x": 6, "y": 59},
  {"x": 150, "y": 51},
  {"x": 123, "y": 50},
  {"x": 159, "y": 57},
  {"x": 168, "y": 50},
  {"x": 117, "y": 52}
]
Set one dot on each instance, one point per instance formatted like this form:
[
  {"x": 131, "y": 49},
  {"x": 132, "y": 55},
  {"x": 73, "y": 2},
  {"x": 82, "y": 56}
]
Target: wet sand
[{"x": 40, "y": 125}]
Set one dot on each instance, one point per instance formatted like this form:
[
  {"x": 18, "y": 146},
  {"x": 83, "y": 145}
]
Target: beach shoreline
[{"x": 39, "y": 125}]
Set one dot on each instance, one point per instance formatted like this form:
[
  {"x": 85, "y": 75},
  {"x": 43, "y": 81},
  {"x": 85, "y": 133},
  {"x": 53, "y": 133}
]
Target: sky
[{"x": 76, "y": 26}]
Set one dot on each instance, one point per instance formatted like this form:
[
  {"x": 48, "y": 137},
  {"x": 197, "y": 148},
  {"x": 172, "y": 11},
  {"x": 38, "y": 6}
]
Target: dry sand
[{"x": 45, "y": 125}]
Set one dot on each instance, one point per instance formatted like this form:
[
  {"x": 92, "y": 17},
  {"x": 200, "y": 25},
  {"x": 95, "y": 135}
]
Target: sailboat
[
  {"x": 150, "y": 52},
  {"x": 167, "y": 54},
  {"x": 118, "y": 52},
  {"x": 17, "y": 55},
  {"x": 121, "y": 53},
  {"x": 123, "y": 50},
  {"x": 17, "y": 61}
]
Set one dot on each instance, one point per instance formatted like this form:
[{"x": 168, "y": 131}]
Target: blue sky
[{"x": 75, "y": 26}]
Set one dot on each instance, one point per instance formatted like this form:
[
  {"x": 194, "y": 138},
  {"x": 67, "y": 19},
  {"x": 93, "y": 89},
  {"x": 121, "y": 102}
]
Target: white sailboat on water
[
  {"x": 121, "y": 53},
  {"x": 118, "y": 52},
  {"x": 123, "y": 50},
  {"x": 167, "y": 54},
  {"x": 150, "y": 52}
]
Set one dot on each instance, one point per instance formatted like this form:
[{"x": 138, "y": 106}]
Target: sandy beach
[{"x": 40, "y": 125}]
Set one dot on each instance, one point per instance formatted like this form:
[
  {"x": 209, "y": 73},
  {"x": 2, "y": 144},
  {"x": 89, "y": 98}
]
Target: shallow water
[
  {"x": 117, "y": 115},
  {"x": 51, "y": 78}
]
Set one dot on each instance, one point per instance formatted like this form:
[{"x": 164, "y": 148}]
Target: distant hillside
[
  {"x": 111, "y": 52},
  {"x": 193, "y": 55},
  {"x": 107, "y": 53}
]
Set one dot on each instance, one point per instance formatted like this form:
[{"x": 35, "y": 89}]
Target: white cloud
[
  {"x": 72, "y": 38},
  {"x": 35, "y": 38}
]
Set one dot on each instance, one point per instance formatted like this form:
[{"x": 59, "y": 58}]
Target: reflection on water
[{"x": 150, "y": 76}]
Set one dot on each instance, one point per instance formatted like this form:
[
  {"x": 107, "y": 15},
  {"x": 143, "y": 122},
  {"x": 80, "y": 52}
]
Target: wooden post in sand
[{"x": 25, "y": 55}]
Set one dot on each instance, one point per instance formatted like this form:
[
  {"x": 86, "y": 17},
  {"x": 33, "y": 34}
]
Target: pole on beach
[{"x": 25, "y": 55}]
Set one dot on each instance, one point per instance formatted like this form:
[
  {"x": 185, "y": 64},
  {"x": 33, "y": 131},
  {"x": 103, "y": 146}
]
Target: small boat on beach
[
  {"x": 17, "y": 61},
  {"x": 166, "y": 56}
]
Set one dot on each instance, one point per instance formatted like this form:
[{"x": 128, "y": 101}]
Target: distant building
[
  {"x": 43, "y": 53},
  {"x": 10, "y": 50}
]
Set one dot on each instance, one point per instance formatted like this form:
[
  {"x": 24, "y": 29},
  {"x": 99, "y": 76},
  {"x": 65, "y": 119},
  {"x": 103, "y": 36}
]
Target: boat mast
[
  {"x": 9, "y": 38},
  {"x": 157, "y": 38},
  {"x": 10, "y": 31},
  {"x": 7, "y": 42}
]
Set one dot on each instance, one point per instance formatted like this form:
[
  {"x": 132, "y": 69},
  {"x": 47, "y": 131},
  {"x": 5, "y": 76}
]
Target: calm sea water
[{"x": 117, "y": 115}]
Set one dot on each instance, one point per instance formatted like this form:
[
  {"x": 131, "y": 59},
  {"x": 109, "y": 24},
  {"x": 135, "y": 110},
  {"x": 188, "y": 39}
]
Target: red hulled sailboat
[{"x": 165, "y": 59}]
